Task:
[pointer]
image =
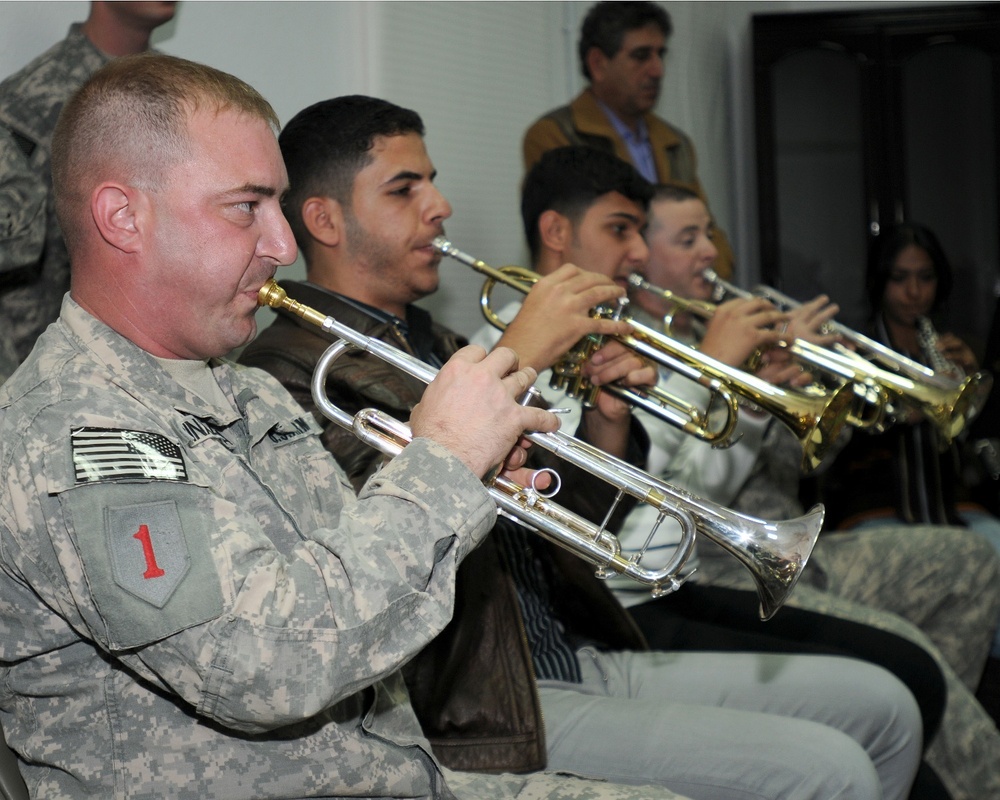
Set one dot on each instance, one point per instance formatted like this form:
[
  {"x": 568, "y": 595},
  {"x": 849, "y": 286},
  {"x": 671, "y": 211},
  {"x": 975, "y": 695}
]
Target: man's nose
[
  {"x": 279, "y": 243},
  {"x": 438, "y": 209},
  {"x": 638, "y": 253},
  {"x": 656, "y": 66}
]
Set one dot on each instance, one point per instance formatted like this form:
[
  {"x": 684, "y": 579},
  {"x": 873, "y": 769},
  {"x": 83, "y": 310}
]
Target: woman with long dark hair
[{"x": 908, "y": 474}]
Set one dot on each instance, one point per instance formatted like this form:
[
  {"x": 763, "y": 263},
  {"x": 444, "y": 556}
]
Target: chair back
[{"x": 12, "y": 786}]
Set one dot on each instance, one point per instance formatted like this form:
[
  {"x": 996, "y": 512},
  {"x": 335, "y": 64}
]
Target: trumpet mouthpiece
[{"x": 271, "y": 295}]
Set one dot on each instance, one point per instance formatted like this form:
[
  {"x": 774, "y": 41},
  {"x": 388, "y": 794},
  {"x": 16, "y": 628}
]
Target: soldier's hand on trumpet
[
  {"x": 556, "y": 314},
  {"x": 471, "y": 408},
  {"x": 779, "y": 368},
  {"x": 807, "y": 322}
]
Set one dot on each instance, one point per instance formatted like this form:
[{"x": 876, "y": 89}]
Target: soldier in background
[
  {"x": 34, "y": 266},
  {"x": 22, "y": 227}
]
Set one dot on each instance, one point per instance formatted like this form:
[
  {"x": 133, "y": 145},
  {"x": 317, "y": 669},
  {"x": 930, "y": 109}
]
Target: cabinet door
[
  {"x": 872, "y": 117},
  {"x": 819, "y": 176},
  {"x": 947, "y": 84}
]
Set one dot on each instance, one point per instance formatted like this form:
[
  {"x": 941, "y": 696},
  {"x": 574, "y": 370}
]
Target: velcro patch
[
  {"x": 149, "y": 554},
  {"x": 106, "y": 454},
  {"x": 292, "y": 429}
]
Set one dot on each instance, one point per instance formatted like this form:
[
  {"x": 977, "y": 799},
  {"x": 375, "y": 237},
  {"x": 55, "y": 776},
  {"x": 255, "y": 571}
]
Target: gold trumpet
[
  {"x": 774, "y": 552},
  {"x": 814, "y": 419},
  {"x": 871, "y": 400},
  {"x": 567, "y": 375},
  {"x": 949, "y": 403}
]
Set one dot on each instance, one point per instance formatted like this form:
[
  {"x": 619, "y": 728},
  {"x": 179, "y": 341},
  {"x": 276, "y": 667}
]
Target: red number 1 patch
[{"x": 152, "y": 568}]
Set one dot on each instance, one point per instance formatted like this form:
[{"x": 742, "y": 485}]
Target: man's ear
[
  {"x": 118, "y": 213},
  {"x": 596, "y": 61},
  {"x": 554, "y": 231},
  {"x": 324, "y": 219}
]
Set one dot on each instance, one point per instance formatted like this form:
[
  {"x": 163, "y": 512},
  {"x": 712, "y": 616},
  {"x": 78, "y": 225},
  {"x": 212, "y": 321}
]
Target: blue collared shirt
[{"x": 639, "y": 147}]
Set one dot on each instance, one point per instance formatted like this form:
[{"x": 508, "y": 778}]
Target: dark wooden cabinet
[{"x": 874, "y": 116}]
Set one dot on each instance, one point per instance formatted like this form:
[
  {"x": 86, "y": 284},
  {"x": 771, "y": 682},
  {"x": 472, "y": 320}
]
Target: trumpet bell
[
  {"x": 953, "y": 410},
  {"x": 776, "y": 554},
  {"x": 773, "y": 552}
]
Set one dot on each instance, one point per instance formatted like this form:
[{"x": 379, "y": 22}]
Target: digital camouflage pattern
[
  {"x": 268, "y": 667},
  {"x": 936, "y": 586},
  {"x": 22, "y": 232},
  {"x": 33, "y": 278}
]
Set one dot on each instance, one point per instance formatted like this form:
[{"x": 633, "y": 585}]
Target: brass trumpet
[
  {"x": 815, "y": 420},
  {"x": 948, "y": 403},
  {"x": 567, "y": 375},
  {"x": 774, "y": 552},
  {"x": 871, "y": 400}
]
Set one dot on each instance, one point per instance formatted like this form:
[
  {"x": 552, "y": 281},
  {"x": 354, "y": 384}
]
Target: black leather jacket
[{"x": 474, "y": 687}]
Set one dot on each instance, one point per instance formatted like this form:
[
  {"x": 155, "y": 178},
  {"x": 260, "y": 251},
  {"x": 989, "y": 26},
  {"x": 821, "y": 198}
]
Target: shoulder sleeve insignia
[
  {"x": 149, "y": 554},
  {"x": 107, "y": 454}
]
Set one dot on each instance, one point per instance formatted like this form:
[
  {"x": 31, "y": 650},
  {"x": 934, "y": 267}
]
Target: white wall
[{"x": 478, "y": 73}]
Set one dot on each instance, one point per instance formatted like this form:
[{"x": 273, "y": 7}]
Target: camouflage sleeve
[
  {"x": 253, "y": 635},
  {"x": 22, "y": 208}
]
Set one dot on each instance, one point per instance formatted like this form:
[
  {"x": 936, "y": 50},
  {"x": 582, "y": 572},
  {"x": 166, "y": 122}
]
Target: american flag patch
[{"x": 105, "y": 454}]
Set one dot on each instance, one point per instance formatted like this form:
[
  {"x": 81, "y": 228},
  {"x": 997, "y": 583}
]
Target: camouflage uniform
[
  {"x": 33, "y": 280},
  {"x": 22, "y": 230},
  {"x": 178, "y": 622}
]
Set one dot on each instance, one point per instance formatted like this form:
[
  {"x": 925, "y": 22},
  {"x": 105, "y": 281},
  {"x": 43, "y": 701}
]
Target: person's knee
[
  {"x": 982, "y": 553},
  {"x": 891, "y": 706},
  {"x": 975, "y": 550},
  {"x": 811, "y": 761},
  {"x": 846, "y": 771}
]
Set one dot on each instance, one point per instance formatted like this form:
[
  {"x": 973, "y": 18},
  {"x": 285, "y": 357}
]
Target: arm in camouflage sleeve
[
  {"x": 22, "y": 209},
  {"x": 255, "y": 637}
]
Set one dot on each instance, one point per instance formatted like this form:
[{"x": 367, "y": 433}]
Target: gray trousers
[
  {"x": 944, "y": 580},
  {"x": 735, "y": 726}
]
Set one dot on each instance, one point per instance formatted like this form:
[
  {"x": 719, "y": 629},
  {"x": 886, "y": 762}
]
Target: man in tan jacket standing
[{"x": 622, "y": 47}]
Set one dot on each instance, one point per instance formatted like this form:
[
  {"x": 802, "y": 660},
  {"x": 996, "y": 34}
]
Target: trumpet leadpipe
[{"x": 528, "y": 506}]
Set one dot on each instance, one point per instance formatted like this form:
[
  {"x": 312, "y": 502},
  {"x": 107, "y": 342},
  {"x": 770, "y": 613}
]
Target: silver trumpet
[
  {"x": 774, "y": 552},
  {"x": 950, "y": 402}
]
